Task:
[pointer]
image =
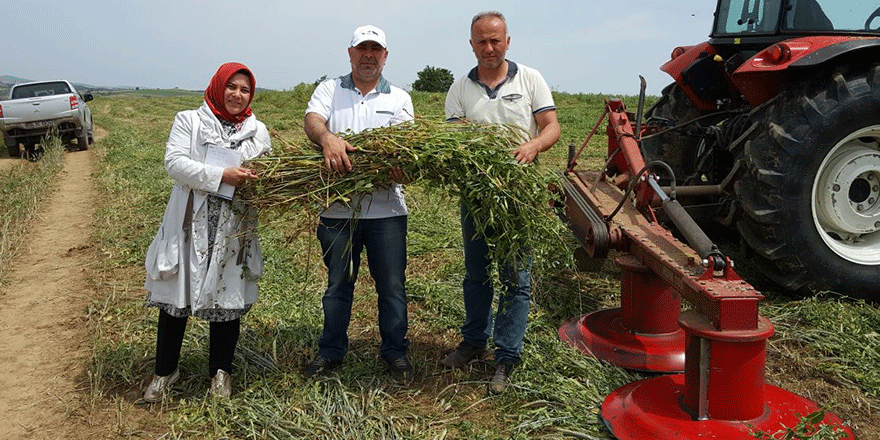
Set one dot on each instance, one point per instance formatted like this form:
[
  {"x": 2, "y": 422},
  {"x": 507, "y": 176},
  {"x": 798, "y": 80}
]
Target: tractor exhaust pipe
[{"x": 640, "y": 110}]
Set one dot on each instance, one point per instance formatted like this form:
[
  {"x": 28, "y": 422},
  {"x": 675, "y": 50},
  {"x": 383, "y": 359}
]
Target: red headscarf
[{"x": 214, "y": 92}]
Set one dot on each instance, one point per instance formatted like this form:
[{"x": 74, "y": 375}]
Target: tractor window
[
  {"x": 827, "y": 15},
  {"x": 747, "y": 17}
]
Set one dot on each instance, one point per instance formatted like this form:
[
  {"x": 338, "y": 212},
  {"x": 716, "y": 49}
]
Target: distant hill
[{"x": 7, "y": 81}]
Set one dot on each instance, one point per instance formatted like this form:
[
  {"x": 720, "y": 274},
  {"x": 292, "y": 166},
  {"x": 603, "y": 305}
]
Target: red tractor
[{"x": 774, "y": 124}]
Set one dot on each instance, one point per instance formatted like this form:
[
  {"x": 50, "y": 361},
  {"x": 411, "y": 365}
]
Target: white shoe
[
  {"x": 159, "y": 386},
  {"x": 221, "y": 384}
]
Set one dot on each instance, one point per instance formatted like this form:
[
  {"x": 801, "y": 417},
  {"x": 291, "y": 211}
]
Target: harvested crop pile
[{"x": 469, "y": 161}]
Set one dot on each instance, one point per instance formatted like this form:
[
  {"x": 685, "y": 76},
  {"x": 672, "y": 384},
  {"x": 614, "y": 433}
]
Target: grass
[
  {"x": 23, "y": 188},
  {"x": 826, "y": 343}
]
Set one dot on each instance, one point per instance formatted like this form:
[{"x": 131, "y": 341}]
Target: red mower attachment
[{"x": 719, "y": 345}]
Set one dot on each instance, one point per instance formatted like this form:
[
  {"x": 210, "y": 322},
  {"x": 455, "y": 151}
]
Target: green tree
[{"x": 433, "y": 79}]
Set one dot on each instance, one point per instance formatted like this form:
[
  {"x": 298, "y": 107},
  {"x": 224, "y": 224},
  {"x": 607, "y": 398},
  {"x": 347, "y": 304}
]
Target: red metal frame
[
  {"x": 722, "y": 393},
  {"x": 759, "y": 78},
  {"x": 643, "y": 333},
  {"x": 677, "y": 65}
]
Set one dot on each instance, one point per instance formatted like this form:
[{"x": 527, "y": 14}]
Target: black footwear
[
  {"x": 401, "y": 370},
  {"x": 462, "y": 355},
  {"x": 501, "y": 378},
  {"x": 320, "y": 365}
]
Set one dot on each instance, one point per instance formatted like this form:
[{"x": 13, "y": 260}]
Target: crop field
[{"x": 826, "y": 347}]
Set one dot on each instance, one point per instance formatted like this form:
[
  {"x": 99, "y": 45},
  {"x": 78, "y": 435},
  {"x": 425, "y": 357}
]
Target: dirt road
[
  {"x": 43, "y": 333},
  {"x": 6, "y": 162}
]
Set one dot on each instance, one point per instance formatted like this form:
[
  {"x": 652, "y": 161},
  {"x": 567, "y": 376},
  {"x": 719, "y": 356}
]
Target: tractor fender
[
  {"x": 684, "y": 61},
  {"x": 836, "y": 50},
  {"x": 761, "y": 77}
]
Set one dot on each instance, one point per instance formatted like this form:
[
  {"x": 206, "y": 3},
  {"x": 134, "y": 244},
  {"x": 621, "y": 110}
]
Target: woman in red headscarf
[{"x": 205, "y": 259}]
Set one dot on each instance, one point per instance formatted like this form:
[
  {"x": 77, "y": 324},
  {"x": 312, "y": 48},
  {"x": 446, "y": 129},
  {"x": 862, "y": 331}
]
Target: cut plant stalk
[{"x": 471, "y": 161}]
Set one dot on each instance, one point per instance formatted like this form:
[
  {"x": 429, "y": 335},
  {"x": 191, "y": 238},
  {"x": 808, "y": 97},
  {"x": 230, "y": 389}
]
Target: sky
[{"x": 580, "y": 46}]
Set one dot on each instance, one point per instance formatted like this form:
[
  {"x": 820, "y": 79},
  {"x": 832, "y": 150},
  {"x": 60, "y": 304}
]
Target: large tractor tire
[
  {"x": 811, "y": 189},
  {"x": 695, "y": 144},
  {"x": 678, "y": 148}
]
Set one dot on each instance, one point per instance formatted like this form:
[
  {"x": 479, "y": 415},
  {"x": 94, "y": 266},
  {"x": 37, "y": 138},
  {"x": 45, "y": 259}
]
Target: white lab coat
[{"x": 177, "y": 265}]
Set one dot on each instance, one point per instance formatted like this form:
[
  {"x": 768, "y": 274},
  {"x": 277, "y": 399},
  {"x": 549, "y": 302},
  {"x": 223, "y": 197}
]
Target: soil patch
[{"x": 43, "y": 328}]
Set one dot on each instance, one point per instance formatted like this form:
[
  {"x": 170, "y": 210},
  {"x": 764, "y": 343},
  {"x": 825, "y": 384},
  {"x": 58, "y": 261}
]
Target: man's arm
[
  {"x": 548, "y": 134},
  {"x": 334, "y": 148}
]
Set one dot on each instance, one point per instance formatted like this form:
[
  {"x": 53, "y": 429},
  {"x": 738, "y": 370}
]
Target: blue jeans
[
  {"x": 513, "y": 306},
  {"x": 342, "y": 241}
]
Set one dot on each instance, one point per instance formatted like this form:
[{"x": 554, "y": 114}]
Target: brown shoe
[
  {"x": 462, "y": 355},
  {"x": 501, "y": 378},
  {"x": 320, "y": 365},
  {"x": 401, "y": 370}
]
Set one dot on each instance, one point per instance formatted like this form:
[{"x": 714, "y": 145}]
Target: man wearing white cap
[{"x": 358, "y": 101}]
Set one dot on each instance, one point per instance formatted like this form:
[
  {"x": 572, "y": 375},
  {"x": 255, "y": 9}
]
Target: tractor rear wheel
[
  {"x": 811, "y": 189},
  {"x": 679, "y": 148}
]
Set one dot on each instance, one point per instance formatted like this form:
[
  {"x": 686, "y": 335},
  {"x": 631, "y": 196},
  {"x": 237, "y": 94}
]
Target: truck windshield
[
  {"x": 762, "y": 16},
  {"x": 41, "y": 89}
]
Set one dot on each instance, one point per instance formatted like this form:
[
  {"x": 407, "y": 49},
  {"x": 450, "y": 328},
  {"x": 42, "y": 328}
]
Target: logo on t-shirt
[{"x": 511, "y": 97}]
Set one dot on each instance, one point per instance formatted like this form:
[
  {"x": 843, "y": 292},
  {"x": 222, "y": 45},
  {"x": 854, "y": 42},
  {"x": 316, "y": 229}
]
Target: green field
[{"x": 825, "y": 347}]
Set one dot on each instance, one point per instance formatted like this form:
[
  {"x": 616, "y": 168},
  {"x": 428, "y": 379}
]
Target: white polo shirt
[
  {"x": 341, "y": 104},
  {"x": 517, "y": 100}
]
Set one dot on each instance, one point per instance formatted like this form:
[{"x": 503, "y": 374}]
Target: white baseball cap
[{"x": 368, "y": 33}]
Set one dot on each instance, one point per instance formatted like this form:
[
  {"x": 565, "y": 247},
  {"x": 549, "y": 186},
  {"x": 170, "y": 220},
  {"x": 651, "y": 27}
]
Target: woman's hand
[{"x": 237, "y": 175}]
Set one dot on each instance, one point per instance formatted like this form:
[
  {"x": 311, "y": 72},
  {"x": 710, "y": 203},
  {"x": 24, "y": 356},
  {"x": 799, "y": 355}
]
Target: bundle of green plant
[{"x": 470, "y": 161}]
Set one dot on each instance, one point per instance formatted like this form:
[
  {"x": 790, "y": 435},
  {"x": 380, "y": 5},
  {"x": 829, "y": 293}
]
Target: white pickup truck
[{"x": 36, "y": 109}]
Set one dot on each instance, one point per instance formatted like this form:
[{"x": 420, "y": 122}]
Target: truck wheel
[
  {"x": 91, "y": 132},
  {"x": 82, "y": 141},
  {"x": 13, "y": 150},
  {"x": 811, "y": 190}
]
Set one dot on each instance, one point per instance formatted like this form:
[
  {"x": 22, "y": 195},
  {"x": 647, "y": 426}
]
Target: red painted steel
[
  {"x": 643, "y": 333},
  {"x": 759, "y": 78},
  {"x": 676, "y": 66},
  {"x": 722, "y": 393},
  {"x": 650, "y": 409},
  {"x": 648, "y": 305}
]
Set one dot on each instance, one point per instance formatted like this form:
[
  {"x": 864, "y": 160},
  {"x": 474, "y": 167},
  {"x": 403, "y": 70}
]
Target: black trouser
[{"x": 222, "y": 339}]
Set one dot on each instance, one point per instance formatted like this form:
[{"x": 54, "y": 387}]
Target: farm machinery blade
[{"x": 718, "y": 345}]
